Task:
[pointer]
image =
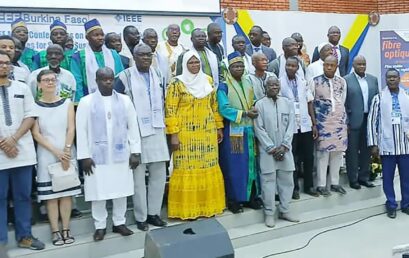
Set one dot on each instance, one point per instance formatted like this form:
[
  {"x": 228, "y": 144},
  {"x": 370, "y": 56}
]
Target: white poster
[
  {"x": 180, "y": 6},
  {"x": 39, "y": 25}
]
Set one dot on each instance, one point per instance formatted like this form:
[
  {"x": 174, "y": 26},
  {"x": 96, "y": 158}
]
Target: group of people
[{"x": 240, "y": 129}]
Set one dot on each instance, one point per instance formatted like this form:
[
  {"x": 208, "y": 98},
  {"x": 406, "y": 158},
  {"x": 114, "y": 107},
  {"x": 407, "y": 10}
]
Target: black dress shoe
[
  {"x": 155, "y": 220},
  {"x": 323, "y": 191},
  {"x": 234, "y": 207},
  {"x": 355, "y": 185},
  {"x": 99, "y": 234},
  {"x": 312, "y": 192},
  {"x": 338, "y": 189},
  {"x": 296, "y": 195},
  {"x": 366, "y": 183},
  {"x": 391, "y": 213},
  {"x": 122, "y": 229},
  {"x": 142, "y": 225},
  {"x": 405, "y": 210},
  {"x": 75, "y": 213},
  {"x": 255, "y": 204}
]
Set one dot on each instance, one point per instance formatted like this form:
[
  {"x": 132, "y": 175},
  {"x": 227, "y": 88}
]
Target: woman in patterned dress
[{"x": 196, "y": 187}]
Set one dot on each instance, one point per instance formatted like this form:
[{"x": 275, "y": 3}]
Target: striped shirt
[{"x": 400, "y": 140}]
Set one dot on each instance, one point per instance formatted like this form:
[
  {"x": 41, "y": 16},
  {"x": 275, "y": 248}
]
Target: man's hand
[
  {"x": 8, "y": 143},
  {"x": 12, "y": 153},
  {"x": 279, "y": 153},
  {"x": 252, "y": 113},
  {"x": 375, "y": 151},
  {"x": 174, "y": 142},
  {"x": 62, "y": 155},
  {"x": 134, "y": 160},
  {"x": 219, "y": 135},
  {"x": 87, "y": 165},
  {"x": 314, "y": 132}
]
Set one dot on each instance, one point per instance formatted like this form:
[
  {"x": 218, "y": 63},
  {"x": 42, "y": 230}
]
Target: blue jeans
[
  {"x": 389, "y": 163},
  {"x": 20, "y": 181}
]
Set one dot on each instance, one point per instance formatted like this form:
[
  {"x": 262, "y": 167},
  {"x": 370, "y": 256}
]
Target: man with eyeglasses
[
  {"x": 17, "y": 155},
  {"x": 142, "y": 84},
  {"x": 17, "y": 73},
  {"x": 66, "y": 84}
]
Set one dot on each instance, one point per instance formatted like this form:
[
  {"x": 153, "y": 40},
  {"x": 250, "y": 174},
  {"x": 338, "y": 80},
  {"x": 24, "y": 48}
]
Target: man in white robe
[
  {"x": 108, "y": 146},
  {"x": 143, "y": 86},
  {"x": 171, "y": 49},
  {"x": 274, "y": 128}
]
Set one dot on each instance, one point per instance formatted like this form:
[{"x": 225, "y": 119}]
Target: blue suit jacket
[
  {"x": 354, "y": 104},
  {"x": 343, "y": 63},
  {"x": 269, "y": 52}
]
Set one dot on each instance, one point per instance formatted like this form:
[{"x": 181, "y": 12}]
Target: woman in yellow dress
[{"x": 196, "y": 187}]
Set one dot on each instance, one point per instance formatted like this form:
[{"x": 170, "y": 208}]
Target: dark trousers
[
  {"x": 20, "y": 181},
  {"x": 389, "y": 163},
  {"x": 358, "y": 155},
  {"x": 303, "y": 147}
]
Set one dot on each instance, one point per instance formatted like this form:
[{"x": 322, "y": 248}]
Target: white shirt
[
  {"x": 315, "y": 69},
  {"x": 365, "y": 90},
  {"x": 66, "y": 81},
  {"x": 254, "y": 48},
  {"x": 16, "y": 104}
]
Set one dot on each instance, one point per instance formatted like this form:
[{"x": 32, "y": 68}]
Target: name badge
[
  {"x": 297, "y": 108},
  {"x": 396, "y": 118}
]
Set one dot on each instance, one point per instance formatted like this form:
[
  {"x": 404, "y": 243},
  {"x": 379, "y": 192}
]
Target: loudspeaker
[{"x": 200, "y": 239}]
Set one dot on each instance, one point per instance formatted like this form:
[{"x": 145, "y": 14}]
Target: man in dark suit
[
  {"x": 362, "y": 87},
  {"x": 256, "y": 36},
  {"x": 340, "y": 52}
]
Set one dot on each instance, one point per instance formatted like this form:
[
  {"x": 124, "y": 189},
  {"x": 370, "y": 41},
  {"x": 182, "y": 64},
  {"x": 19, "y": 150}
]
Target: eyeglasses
[
  {"x": 49, "y": 80},
  {"x": 5, "y": 63},
  {"x": 144, "y": 54}
]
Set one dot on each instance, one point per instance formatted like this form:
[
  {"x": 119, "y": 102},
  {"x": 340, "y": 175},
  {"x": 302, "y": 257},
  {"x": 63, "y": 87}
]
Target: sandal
[
  {"x": 57, "y": 238},
  {"x": 68, "y": 239}
]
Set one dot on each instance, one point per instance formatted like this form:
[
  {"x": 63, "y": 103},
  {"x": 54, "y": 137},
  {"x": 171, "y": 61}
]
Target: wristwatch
[{"x": 68, "y": 146}]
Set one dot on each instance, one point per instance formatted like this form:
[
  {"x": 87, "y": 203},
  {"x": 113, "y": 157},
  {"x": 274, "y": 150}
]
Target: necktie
[
  {"x": 256, "y": 49},
  {"x": 334, "y": 51}
]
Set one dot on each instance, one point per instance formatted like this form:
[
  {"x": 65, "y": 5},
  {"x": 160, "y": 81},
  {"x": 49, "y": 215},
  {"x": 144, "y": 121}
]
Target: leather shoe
[
  {"x": 391, "y": 213},
  {"x": 288, "y": 217},
  {"x": 99, "y": 234},
  {"x": 355, "y": 185},
  {"x": 323, "y": 191},
  {"x": 270, "y": 221},
  {"x": 142, "y": 225},
  {"x": 366, "y": 183},
  {"x": 296, "y": 195},
  {"x": 122, "y": 229},
  {"x": 338, "y": 189},
  {"x": 156, "y": 221},
  {"x": 405, "y": 210},
  {"x": 312, "y": 192}
]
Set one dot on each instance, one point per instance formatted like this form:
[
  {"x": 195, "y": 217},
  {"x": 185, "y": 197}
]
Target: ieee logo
[{"x": 128, "y": 18}]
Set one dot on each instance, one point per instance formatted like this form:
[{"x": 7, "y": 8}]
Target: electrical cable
[{"x": 320, "y": 233}]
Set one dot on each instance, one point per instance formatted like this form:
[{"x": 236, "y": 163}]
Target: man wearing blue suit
[
  {"x": 255, "y": 36},
  {"x": 362, "y": 87},
  {"x": 340, "y": 52}
]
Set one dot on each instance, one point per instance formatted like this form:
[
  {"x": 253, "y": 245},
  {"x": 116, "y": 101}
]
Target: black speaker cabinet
[{"x": 200, "y": 239}]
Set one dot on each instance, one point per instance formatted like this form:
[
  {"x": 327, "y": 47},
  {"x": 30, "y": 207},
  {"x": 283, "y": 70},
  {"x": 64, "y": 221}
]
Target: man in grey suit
[
  {"x": 362, "y": 87},
  {"x": 340, "y": 52},
  {"x": 256, "y": 36}
]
